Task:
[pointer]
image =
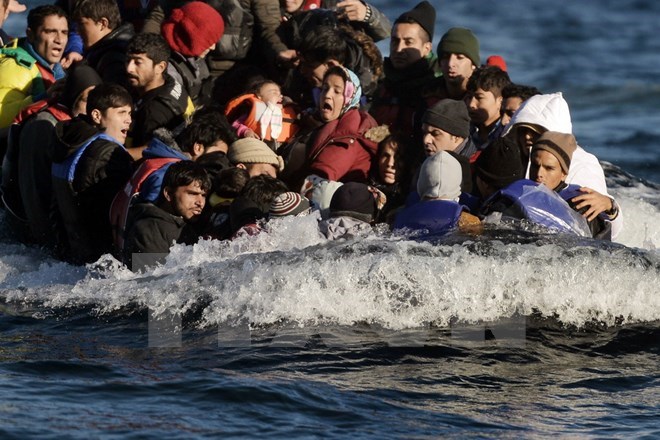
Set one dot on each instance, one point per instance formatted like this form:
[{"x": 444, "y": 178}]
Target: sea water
[{"x": 514, "y": 333}]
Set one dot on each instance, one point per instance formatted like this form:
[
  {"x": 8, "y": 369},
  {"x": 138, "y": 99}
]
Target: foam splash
[{"x": 291, "y": 274}]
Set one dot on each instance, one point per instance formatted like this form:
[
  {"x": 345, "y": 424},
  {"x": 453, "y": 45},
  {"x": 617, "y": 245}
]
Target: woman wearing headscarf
[{"x": 338, "y": 149}]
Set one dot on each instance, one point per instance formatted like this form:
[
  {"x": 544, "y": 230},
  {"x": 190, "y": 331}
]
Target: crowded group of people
[{"x": 128, "y": 126}]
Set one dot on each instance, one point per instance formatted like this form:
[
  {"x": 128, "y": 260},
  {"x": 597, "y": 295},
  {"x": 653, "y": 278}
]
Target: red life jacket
[
  {"x": 124, "y": 198},
  {"x": 237, "y": 107},
  {"x": 60, "y": 112}
]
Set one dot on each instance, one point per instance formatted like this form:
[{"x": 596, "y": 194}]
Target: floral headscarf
[{"x": 352, "y": 91}]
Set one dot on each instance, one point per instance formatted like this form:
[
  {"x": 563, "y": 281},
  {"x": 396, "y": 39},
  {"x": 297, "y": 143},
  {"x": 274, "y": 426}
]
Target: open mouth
[{"x": 326, "y": 106}]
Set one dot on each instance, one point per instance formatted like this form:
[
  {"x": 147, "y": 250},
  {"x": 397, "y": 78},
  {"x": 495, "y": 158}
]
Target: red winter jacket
[{"x": 340, "y": 151}]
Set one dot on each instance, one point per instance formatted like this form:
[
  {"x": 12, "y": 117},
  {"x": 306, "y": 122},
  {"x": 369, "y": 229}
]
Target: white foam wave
[
  {"x": 290, "y": 273},
  {"x": 390, "y": 281}
]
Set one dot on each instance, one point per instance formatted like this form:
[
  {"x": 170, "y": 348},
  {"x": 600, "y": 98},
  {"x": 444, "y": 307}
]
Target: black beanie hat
[
  {"x": 449, "y": 115},
  {"x": 460, "y": 40},
  {"x": 80, "y": 78},
  {"x": 354, "y": 199},
  {"x": 500, "y": 164},
  {"x": 423, "y": 14}
]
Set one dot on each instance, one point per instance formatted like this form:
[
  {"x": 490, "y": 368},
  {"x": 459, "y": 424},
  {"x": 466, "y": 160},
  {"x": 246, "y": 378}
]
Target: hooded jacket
[{"x": 552, "y": 113}]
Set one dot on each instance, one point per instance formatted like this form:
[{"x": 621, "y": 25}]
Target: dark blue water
[{"x": 286, "y": 335}]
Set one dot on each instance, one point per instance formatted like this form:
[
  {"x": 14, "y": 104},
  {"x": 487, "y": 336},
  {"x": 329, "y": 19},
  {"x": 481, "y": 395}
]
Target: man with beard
[
  {"x": 154, "y": 227},
  {"x": 162, "y": 102}
]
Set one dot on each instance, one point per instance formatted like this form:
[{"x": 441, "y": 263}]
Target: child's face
[
  {"x": 387, "y": 163},
  {"x": 483, "y": 106},
  {"x": 332, "y": 98},
  {"x": 270, "y": 92},
  {"x": 115, "y": 120}
]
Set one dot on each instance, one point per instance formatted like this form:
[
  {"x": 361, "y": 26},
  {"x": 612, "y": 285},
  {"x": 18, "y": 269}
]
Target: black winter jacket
[
  {"x": 150, "y": 230},
  {"x": 84, "y": 204}
]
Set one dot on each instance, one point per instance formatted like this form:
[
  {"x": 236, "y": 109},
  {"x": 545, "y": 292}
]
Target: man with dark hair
[
  {"x": 104, "y": 37},
  {"x": 204, "y": 140},
  {"x": 411, "y": 68},
  {"x": 513, "y": 96},
  {"x": 325, "y": 46},
  {"x": 484, "y": 102},
  {"x": 208, "y": 132},
  {"x": 29, "y": 66},
  {"x": 162, "y": 101},
  {"x": 253, "y": 204},
  {"x": 90, "y": 164},
  {"x": 154, "y": 227}
]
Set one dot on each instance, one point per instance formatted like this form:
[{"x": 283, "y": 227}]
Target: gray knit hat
[
  {"x": 450, "y": 116},
  {"x": 250, "y": 150},
  {"x": 460, "y": 40},
  {"x": 440, "y": 177}
]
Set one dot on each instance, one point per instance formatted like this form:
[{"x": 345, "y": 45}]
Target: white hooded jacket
[{"x": 552, "y": 113}]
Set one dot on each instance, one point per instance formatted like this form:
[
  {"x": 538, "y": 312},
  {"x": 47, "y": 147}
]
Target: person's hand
[
  {"x": 593, "y": 201},
  {"x": 251, "y": 134},
  {"x": 70, "y": 58},
  {"x": 288, "y": 58},
  {"x": 354, "y": 10},
  {"x": 16, "y": 7}
]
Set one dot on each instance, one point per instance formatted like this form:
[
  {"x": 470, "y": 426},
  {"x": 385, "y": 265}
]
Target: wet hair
[
  {"x": 206, "y": 129},
  {"x": 96, "y": 10},
  {"x": 519, "y": 91},
  {"x": 263, "y": 189},
  {"x": 153, "y": 45},
  {"x": 183, "y": 173},
  {"x": 489, "y": 78},
  {"x": 324, "y": 44},
  {"x": 327, "y": 43},
  {"x": 108, "y": 95},
  {"x": 231, "y": 181},
  {"x": 37, "y": 16},
  {"x": 336, "y": 70}
]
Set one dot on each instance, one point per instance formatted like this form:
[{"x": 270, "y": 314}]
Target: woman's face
[
  {"x": 387, "y": 164},
  {"x": 332, "y": 98}
]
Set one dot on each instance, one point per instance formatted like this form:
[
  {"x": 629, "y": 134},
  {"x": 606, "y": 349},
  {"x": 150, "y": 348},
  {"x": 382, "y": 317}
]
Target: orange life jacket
[{"x": 237, "y": 107}]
